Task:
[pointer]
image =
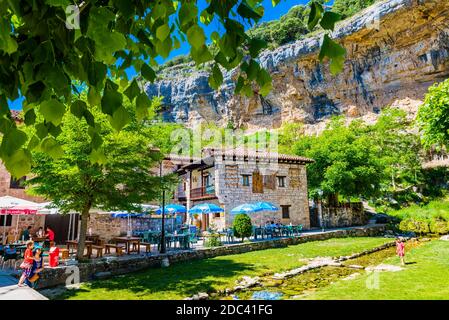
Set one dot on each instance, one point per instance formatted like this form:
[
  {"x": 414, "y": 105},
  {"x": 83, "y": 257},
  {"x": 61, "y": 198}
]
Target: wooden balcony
[{"x": 203, "y": 193}]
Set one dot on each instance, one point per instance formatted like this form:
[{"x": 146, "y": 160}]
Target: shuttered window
[
  {"x": 257, "y": 182},
  {"x": 285, "y": 212}
]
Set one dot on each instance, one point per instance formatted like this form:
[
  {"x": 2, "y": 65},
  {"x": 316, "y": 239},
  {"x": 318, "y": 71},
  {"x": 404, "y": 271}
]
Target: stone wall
[
  {"x": 294, "y": 194},
  {"x": 346, "y": 215},
  {"x": 5, "y": 190},
  {"x": 107, "y": 267}
]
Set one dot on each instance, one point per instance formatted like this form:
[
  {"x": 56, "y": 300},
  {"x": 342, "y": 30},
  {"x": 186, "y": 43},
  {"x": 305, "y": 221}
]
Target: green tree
[
  {"x": 433, "y": 116},
  {"x": 116, "y": 177},
  {"x": 242, "y": 226},
  {"x": 46, "y": 46},
  {"x": 346, "y": 161},
  {"x": 348, "y": 8}
]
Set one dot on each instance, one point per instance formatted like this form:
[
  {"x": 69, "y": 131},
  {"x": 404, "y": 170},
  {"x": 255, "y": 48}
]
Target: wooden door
[{"x": 59, "y": 223}]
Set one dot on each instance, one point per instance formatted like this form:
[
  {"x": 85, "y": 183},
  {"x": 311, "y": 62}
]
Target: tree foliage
[
  {"x": 116, "y": 176},
  {"x": 48, "y": 45},
  {"x": 348, "y": 8},
  {"x": 433, "y": 116},
  {"x": 242, "y": 226}
]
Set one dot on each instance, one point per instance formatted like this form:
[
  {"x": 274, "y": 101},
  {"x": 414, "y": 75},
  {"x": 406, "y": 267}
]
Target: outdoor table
[
  {"x": 182, "y": 238},
  {"x": 39, "y": 239},
  {"x": 74, "y": 244},
  {"x": 128, "y": 241},
  {"x": 93, "y": 237}
]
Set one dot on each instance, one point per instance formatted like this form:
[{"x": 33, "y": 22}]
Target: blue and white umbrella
[
  {"x": 205, "y": 208},
  {"x": 246, "y": 208},
  {"x": 172, "y": 209},
  {"x": 266, "y": 206}
]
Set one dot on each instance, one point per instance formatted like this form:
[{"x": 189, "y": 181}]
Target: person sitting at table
[
  {"x": 40, "y": 232},
  {"x": 25, "y": 236},
  {"x": 49, "y": 234}
]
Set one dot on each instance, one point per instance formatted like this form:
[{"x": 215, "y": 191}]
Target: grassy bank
[
  {"x": 185, "y": 279},
  {"x": 426, "y": 276}
]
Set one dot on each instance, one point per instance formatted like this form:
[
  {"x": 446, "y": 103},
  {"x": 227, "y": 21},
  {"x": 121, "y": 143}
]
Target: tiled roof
[{"x": 253, "y": 154}]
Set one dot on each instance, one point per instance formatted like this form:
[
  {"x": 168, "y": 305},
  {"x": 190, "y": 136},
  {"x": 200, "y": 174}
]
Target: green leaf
[
  {"x": 335, "y": 52},
  {"x": 93, "y": 97},
  {"x": 143, "y": 104},
  {"x": 120, "y": 118},
  {"x": 252, "y": 70},
  {"x": 97, "y": 156},
  {"x": 19, "y": 163},
  {"x": 201, "y": 55},
  {"x": 163, "y": 48},
  {"x": 316, "y": 12},
  {"x": 51, "y": 147},
  {"x": 33, "y": 143},
  {"x": 163, "y": 32},
  {"x": 187, "y": 13},
  {"x": 30, "y": 117},
  {"x": 96, "y": 73},
  {"x": 205, "y": 17},
  {"x": 89, "y": 118},
  {"x": 329, "y": 20},
  {"x": 77, "y": 108},
  {"x": 216, "y": 77},
  {"x": 196, "y": 37},
  {"x": 53, "y": 111},
  {"x": 148, "y": 73},
  {"x": 12, "y": 141},
  {"x": 264, "y": 81},
  {"x": 132, "y": 91},
  {"x": 255, "y": 45},
  {"x": 41, "y": 130},
  {"x": 275, "y": 2},
  {"x": 246, "y": 11},
  {"x": 111, "y": 101},
  {"x": 7, "y": 43},
  {"x": 58, "y": 3}
]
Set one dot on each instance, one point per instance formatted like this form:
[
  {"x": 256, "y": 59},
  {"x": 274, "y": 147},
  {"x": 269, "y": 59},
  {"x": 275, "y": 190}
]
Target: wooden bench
[
  {"x": 118, "y": 249},
  {"x": 99, "y": 250},
  {"x": 147, "y": 246}
]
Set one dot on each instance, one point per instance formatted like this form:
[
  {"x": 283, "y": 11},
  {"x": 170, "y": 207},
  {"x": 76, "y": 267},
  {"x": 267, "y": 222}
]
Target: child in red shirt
[
  {"x": 400, "y": 250},
  {"x": 28, "y": 259},
  {"x": 53, "y": 255}
]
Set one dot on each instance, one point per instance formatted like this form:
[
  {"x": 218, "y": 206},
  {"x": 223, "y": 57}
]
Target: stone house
[{"x": 233, "y": 177}]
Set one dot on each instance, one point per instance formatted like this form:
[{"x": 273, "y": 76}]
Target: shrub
[
  {"x": 242, "y": 226},
  {"x": 439, "y": 226},
  {"x": 213, "y": 241},
  {"x": 419, "y": 225}
]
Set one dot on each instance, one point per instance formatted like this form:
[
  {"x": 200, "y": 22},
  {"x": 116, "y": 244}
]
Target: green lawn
[
  {"x": 184, "y": 279},
  {"x": 426, "y": 276}
]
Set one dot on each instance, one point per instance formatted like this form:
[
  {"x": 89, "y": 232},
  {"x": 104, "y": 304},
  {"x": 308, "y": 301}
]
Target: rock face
[{"x": 396, "y": 50}]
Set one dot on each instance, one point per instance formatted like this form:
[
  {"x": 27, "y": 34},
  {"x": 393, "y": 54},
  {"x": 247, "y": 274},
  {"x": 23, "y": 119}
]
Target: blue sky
[{"x": 270, "y": 14}]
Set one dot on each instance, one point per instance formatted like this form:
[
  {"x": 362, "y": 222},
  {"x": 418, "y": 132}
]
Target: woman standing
[
  {"x": 400, "y": 250},
  {"x": 27, "y": 262}
]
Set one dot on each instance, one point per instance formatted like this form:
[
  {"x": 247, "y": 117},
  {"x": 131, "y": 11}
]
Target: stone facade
[
  {"x": 7, "y": 190},
  {"x": 107, "y": 267},
  {"x": 219, "y": 179}
]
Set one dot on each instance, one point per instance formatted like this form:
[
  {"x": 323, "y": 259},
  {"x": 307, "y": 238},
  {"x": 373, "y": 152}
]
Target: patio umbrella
[
  {"x": 266, "y": 206},
  {"x": 13, "y": 205},
  {"x": 205, "y": 208},
  {"x": 172, "y": 209},
  {"x": 246, "y": 208}
]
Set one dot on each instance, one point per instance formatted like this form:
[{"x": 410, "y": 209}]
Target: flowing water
[{"x": 298, "y": 286}]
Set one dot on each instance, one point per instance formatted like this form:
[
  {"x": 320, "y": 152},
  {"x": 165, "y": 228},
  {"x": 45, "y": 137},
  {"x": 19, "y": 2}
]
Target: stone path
[{"x": 9, "y": 290}]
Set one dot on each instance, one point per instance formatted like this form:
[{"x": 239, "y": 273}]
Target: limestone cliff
[{"x": 396, "y": 50}]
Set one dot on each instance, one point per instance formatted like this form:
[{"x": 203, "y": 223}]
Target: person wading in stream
[{"x": 400, "y": 250}]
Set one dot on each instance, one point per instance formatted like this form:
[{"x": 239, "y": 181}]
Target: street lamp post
[
  {"x": 163, "y": 213},
  {"x": 320, "y": 209}
]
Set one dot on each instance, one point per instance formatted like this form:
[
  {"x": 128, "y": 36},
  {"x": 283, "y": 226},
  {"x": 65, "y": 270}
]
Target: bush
[
  {"x": 242, "y": 226},
  {"x": 439, "y": 226},
  {"x": 419, "y": 225},
  {"x": 213, "y": 240}
]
